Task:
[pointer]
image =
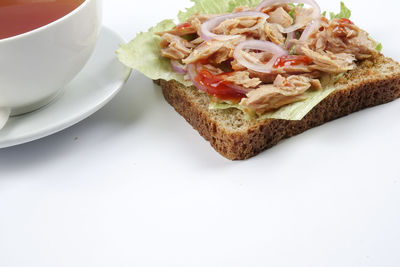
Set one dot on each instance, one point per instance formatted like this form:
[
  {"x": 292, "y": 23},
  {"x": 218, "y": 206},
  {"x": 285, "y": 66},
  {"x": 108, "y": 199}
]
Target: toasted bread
[{"x": 375, "y": 81}]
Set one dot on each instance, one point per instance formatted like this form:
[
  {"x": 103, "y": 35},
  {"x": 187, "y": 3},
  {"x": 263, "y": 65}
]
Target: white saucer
[{"x": 100, "y": 80}]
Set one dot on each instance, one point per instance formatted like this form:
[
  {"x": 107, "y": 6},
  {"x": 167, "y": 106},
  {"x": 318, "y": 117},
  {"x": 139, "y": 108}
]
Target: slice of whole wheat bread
[{"x": 375, "y": 81}]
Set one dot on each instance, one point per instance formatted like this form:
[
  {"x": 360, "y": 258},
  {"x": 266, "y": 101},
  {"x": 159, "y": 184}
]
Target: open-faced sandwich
[{"x": 247, "y": 74}]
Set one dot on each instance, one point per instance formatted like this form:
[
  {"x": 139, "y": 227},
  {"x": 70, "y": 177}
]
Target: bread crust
[{"x": 373, "y": 82}]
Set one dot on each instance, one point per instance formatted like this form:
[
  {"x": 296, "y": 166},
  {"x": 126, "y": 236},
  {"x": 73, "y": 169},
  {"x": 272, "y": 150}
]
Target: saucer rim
[{"x": 57, "y": 127}]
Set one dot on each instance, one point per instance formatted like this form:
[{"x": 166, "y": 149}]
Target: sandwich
[{"x": 247, "y": 73}]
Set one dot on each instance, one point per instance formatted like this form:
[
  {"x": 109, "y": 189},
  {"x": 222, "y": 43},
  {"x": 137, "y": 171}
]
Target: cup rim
[{"x": 44, "y": 27}]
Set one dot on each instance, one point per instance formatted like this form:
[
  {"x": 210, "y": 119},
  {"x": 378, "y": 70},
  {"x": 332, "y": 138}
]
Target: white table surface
[{"x": 139, "y": 187}]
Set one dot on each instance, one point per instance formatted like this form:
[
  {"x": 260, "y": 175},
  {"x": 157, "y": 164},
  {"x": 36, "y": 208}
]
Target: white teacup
[{"x": 36, "y": 65}]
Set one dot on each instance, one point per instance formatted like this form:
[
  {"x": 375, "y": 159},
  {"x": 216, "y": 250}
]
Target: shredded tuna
[
  {"x": 292, "y": 85},
  {"x": 263, "y": 57},
  {"x": 221, "y": 55},
  {"x": 203, "y": 51},
  {"x": 333, "y": 46},
  {"x": 316, "y": 84},
  {"x": 197, "y": 20},
  {"x": 281, "y": 17},
  {"x": 196, "y": 23},
  {"x": 330, "y": 62},
  {"x": 342, "y": 37},
  {"x": 180, "y": 31},
  {"x": 175, "y": 47},
  {"x": 201, "y": 17},
  {"x": 264, "y": 77},
  {"x": 360, "y": 45},
  {"x": 237, "y": 66},
  {"x": 197, "y": 41},
  {"x": 273, "y": 34},
  {"x": 206, "y": 49},
  {"x": 242, "y": 78},
  {"x": 295, "y": 69},
  {"x": 267, "y": 98},
  {"x": 213, "y": 70},
  {"x": 303, "y": 16},
  {"x": 250, "y": 26},
  {"x": 272, "y": 96},
  {"x": 272, "y": 8}
]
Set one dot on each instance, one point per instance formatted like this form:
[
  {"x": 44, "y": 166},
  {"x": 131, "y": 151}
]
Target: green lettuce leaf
[
  {"x": 295, "y": 111},
  {"x": 214, "y": 7},
  {"x": 298, "y": 110},
  {"x": 291, "y": 12},
  {"x": 344, "y": 12},
  {"x": 379, "y": 47},
  {"x": 143, "y": 55}
]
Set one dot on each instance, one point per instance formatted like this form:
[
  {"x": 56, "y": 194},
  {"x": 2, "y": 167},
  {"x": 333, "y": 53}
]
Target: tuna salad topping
[{"x": 266, "y": 57}]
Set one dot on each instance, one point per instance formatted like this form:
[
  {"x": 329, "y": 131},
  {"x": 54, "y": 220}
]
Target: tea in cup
[{"x": 44, "y": 44}]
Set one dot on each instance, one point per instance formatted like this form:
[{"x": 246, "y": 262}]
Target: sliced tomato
[
  {"x": 183, "y": 26},
  {"x": 217, "y": 86},
  {"x": 292, "y": 60}
]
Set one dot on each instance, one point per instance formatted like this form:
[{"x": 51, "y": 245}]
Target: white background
[{"x": 135, "y": 185}]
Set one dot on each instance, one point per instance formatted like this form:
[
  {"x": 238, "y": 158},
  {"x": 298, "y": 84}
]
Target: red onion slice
[
  {"x": 192, "y": 73},
  {"x": 265, "y": 46},
  {"x": 310, "y": 29},
  {"x": 178, "y": 67},
  {"x": 209, "y": 25},
  {"x": 290, "y": 40},
  {"x": 316, "y": 11},
  {"x": 238, "y": 88}
]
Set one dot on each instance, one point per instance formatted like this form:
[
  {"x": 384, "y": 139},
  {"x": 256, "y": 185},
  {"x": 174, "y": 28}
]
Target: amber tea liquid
[{"x": 20, "y": 16}]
